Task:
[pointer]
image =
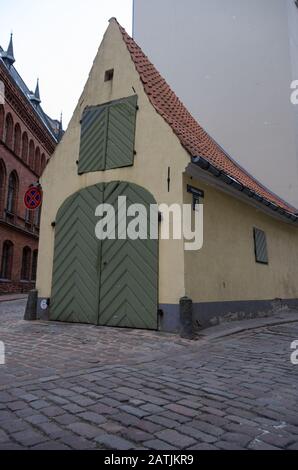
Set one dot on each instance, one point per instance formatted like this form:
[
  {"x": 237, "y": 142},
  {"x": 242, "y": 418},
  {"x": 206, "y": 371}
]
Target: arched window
[
  {"x": 37, "y": 217},
  {"x": 2, "y": 186},
  {"x": 7, "y": 259},
  {"x": 29, "y": 217},
  {"x": 26, "y": 264},
  {"x": 31, "y": 154},
  {"x": 12, "y": 193},
  {"x": 17, "y": 139},
  {"x": 37, "y": 161},
  {"x": 43, "y": 162},
  {"x": 1, "y": 120},
  {"x": 34, "y": 265},
  {"x": 8, "y": 131},
  {"x": 25, "y": 147}
]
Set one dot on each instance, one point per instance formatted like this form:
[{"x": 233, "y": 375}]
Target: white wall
[{"x": 232, "y": 62}]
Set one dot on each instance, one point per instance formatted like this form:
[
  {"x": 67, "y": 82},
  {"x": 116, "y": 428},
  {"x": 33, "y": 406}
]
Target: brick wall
[
  {"x": 20, "y": 241},
  {"x": 15, "y": 287},
  {"x": 27, "y": 167},
  {"x": 25, "y": 179}
]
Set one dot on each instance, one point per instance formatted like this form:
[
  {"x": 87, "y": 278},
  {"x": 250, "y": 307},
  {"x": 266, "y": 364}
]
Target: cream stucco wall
[
  {"x": 157, "y": 149},
  {"x": 225, "y": 268}
]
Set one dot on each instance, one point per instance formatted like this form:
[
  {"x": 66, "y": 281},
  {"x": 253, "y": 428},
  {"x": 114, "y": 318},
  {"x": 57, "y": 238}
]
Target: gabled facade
[{"x": 130, "y": 135}]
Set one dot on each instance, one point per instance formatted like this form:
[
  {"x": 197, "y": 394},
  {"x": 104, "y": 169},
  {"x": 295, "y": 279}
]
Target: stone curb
[
  {"x": 11, "y": 298},
  {"x": 224, "y": 331}
]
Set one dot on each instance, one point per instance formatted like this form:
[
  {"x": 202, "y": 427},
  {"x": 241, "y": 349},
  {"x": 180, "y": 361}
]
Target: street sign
[{"x": 33, "y": 198}]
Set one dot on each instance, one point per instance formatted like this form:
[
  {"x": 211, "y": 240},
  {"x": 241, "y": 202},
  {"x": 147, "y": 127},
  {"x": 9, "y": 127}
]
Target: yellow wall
[
  {"x": 225, "y": 268},
  {"x": 157, "y": 149}
]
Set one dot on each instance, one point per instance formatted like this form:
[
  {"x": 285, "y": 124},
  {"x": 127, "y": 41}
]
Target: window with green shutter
[
  {"x": 108, "y": 136},
  {"x": 261, "y": 252}
]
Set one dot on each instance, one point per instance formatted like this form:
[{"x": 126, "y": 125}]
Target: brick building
[{"x": 28, "y": 138}]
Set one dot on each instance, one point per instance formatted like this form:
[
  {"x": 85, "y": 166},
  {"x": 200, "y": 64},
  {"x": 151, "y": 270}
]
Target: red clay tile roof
[{"x": 191, "y": 135}]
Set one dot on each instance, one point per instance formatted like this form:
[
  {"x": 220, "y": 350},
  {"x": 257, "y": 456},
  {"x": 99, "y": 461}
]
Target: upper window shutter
[
  {"x": 260, "y": 246},
  {"x": 108, "y": 136},
  {"x": 121, "y": 133},
  {"x": 93, "y": 139}
]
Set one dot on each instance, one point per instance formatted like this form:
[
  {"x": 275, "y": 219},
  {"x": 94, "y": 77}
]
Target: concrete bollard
[
  {"x": 30, "y": 313},
  {"x": 186, "y": 321}
]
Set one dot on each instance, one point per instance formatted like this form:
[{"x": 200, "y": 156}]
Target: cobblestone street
[{"x": 83, "y": 387}]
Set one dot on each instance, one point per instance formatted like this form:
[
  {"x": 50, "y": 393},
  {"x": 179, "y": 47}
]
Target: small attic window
[{"x": 109, "y": 75}]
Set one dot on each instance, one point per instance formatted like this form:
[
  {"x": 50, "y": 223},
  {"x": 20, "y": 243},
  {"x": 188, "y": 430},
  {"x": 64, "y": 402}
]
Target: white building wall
[{"x": 232, "y": 62}]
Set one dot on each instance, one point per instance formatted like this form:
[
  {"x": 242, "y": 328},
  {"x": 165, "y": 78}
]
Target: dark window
[
  {"x": 7, "y": 258},
  {"x": 2, "y": 186},
  {"x": 1, "y": 120},
  {"x": 12, "y": 193},
  {"x": 17, "y": 140},
  {"x": 29, "y": 217},
  {"x": 37, "y": 161},
  {"x": 109, "y": 75},
  {"x": 34, "y": 265},
  {"x": 37, "y": 217},
  {"x": 261, "y": 252},
  {"x": 31, "y": 154},
  {"x": 25, "y": 147},
  {"x": 26, "y": 264},
  {"x": 8, "y": 131}
]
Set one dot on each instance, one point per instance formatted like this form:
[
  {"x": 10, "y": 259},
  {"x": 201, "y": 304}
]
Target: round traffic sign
[{"x": 33, "y": 198}]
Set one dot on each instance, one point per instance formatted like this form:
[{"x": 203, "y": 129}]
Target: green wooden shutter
[
  {"x": 93, "y": 139},
  {"x": 260, "y": 246},
  {"x": 76, "y": 271},
  {"x": 121, "y": 133},
  {"x": 108, "y": 136}
]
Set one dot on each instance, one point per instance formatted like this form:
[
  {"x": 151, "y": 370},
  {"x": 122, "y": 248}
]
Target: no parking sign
[{"x": 33, "y": 198}]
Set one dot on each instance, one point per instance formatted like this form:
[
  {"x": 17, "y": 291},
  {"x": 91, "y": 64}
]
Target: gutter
[{"x": 230, "y": 181}]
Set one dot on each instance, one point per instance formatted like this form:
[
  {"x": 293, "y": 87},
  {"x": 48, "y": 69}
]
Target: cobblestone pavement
[{"x": 83, "y": 387}]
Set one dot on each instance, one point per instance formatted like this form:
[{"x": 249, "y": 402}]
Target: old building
[
  {"x": 131, "y": 136},
  {"x": 28, "y": 138}
]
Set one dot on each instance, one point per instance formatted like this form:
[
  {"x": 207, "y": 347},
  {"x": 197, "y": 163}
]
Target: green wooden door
[
  {"x": 129, "y": 268},
  {"x": 109, "y": 282},
  {"x": 76, "y": 273}
]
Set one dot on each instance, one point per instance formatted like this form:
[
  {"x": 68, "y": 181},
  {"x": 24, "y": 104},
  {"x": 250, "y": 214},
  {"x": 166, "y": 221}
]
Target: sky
[{"x": 56, "y": 41}]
